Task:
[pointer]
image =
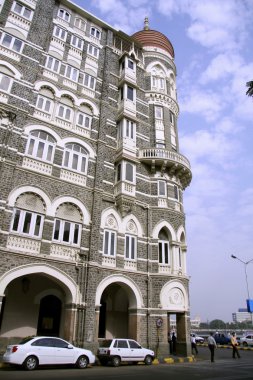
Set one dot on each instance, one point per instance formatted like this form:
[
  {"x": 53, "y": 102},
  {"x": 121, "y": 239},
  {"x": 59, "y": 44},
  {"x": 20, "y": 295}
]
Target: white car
[
  {"x": 198, "y": 339},
  {"x": 119, "y": 350},
  {"x": 247, "y": 340},
  {"x": 44, "y": 350}
]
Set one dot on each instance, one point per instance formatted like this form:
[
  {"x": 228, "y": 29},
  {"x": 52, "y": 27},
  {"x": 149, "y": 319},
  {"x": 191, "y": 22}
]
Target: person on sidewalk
[
  {"x": 234, "y": 345},
  {"x": 194, "y": 345},
  {"x": 211, "y": 345},
  {"x": 174, "y": 343}
]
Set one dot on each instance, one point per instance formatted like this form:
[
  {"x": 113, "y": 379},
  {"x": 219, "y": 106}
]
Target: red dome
[{"x": 149, "y": 37}]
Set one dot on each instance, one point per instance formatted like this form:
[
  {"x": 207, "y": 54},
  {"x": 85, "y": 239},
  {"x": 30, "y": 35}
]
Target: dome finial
[{"x": 146, "y": 24}]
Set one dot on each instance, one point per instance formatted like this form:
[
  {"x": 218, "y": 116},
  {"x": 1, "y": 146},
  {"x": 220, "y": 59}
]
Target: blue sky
[{"x": 213, "y": 43}]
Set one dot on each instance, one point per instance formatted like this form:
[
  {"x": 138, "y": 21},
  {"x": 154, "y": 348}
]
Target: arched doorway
[
  {"x": 113, "y": 320},
  {"x": 119, "y": 302},
  {"x": 49, "y": 316}
]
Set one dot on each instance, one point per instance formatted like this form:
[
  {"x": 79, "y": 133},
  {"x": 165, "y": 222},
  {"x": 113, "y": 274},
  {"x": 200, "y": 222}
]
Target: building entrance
[{"x": 49, "y": 316}]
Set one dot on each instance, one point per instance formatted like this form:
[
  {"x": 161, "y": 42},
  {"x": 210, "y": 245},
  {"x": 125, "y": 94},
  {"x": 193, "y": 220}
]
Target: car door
[
  {"x": 122, "y": 349},
  {"x": 63, "y": 353},
  {"x": 44, "y": 350},
  {"x": 136, "y": 351}
]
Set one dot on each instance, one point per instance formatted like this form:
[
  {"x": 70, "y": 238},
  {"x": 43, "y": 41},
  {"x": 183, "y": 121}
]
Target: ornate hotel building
[{"x": 92, "y": 223}]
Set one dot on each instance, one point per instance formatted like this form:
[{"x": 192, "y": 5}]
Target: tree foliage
[
  {"x": 217, "y": 324},
  {"x": 249, "y": 91}
]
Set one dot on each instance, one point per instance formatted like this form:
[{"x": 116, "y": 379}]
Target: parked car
[
  {"x": 199, "y": 339},
  {"x": 222, "y": 339},
  {"x": 120, "y": 350},
  {"x": 42, "y": 350},
  {"x": 247, "y": 340}
]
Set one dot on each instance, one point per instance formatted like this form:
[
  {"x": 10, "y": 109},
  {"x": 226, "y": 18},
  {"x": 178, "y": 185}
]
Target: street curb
[{"x": 188, "y": 359}]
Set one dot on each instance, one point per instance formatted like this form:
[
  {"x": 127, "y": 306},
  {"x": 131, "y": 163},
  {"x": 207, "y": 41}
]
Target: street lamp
[{"x": 246, "y": 277}]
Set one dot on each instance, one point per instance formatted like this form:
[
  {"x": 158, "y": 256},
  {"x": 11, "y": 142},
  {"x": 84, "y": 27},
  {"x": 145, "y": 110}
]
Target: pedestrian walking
[
  {"x": 174, "y": 343},
  {"x": 234, "y": 345},
  {"x": 211, "y": 345},
  {"x": 170, "y": 343},
  {"x": 194, "y": 345}
]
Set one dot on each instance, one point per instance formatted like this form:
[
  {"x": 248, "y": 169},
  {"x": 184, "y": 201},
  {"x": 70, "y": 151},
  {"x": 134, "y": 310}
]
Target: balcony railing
[{"x": 159, "y": 154}]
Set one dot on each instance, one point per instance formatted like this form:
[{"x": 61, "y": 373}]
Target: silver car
[
  {"x": 44, "y": 350},
  {"x": 247, "y": 340}
]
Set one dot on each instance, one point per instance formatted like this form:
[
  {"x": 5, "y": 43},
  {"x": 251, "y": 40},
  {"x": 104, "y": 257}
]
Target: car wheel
[
  {"x": 30, "y": 363},
  {"x": 116, "y": 361},
  {"x": 148, "y": 360},
  {"x": 82, "y": 362},
  {"x": 245, "y": 344}
]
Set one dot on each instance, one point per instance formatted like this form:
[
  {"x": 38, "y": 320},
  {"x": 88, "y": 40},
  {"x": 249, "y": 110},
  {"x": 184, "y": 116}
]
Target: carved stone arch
[
  {"x": 67, "y": 283},
  {"x": 110, "y": 212},
  {"x": 16, "y": 193},
  {"x": 69, "y": 211},
  {"x": 161, "y": 225},
  {"x": 111, "y": 222},
  {"x": 31, "y": 201},
  {"x": 132, "y": 289},
  {"x": 79, "y": 207},
  {"x": 9, "y": 69},
  {"x": 32, "y": 127},
  {"x": 174, "y": 297}
]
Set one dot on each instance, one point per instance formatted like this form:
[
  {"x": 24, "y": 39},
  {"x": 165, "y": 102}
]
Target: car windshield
[
  {"x": 105, "y": 343},
  {"x": 25, "y": 340}
]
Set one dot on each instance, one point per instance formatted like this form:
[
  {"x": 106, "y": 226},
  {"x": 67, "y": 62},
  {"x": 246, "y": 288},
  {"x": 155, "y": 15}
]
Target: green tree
[
  {"x": 249, "y": 91},
  {"x": 217, "y": 324}
]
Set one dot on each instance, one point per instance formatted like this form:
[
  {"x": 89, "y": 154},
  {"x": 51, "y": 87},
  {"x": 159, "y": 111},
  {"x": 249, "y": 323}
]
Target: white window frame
[
  {"x": 64, "y": 15},
  {"x": 53, "y": 64},
  {"x": 95, "y": 32},
  {"x": 125, "y": 93},
  {"x": 176, "y": 192},
  {"x": 44, "y": 104},
  {"x": 127, "y": 129},
  {"x": 23, "y": 10},
  {"x": 62, "y": 224},
  {"x": 5, "y": 82},
  {"x": 60, "y": 33},
  {"x": 162, "y": 244},
  {"x": 64, "y": 112},
  {"x": 122, "y": 172},
  {"x": 162, "y": 188},
  {"x": 77, "y": 42},
  {"x": 109, "y": 246},
  {"x": 11, "y": 44},
  {"x": 34, "y": 145},
  {"x": 83, "y": 120},
  {"x": 130, "y": 247},
  {"x": 159, "y": 112},
  {"x": 89, "y": 81},
  {"x": 71, "y": 73},
  {"x": 93, "y": 50},
  {"x": 21, "y": 222},
  {"x": 72, "y": 157},
  {"x": 172, "y": 118},
  {"x": 80, "y": 23}
]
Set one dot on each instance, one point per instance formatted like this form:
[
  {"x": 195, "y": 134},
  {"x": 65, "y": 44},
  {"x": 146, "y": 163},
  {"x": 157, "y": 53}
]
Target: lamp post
[{"x": 245, "y": 263}]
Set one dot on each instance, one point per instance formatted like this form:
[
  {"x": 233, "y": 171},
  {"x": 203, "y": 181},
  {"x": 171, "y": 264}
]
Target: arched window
[
  {"x": 110, "y": 237},
  {"x": 28, "y": 215},
  {"x": 75, "y": 158},
  {"x": 65, "y": 108},
  {"x": 67, "y": 224},
  {"x": 45, "y": 100},
  {"x": 158, "y": 82},
  {"x": 164, "y": 247},
  {"x": 131, "y": 241},
  {"x": 41, "y": 146}
]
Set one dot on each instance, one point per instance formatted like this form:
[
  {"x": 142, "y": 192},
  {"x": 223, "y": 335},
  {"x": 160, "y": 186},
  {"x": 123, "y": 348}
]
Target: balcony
[{"x": 167, "y": 161}]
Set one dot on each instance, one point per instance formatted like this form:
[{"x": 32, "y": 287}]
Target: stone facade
[{"x": 92, "y": 224}]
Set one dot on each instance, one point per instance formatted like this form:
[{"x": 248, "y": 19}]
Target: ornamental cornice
[{"x": 155, "y": 97}]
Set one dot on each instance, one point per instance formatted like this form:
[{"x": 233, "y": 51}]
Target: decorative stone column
[{"x": 68, "y": 332}]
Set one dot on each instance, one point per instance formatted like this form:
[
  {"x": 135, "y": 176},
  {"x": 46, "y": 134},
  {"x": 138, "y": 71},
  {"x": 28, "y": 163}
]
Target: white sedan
[{"x": 45, "y": 350}]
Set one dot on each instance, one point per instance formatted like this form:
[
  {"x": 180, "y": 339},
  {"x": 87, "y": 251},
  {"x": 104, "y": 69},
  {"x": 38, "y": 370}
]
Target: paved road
[{"x": 224, "y": 368}]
